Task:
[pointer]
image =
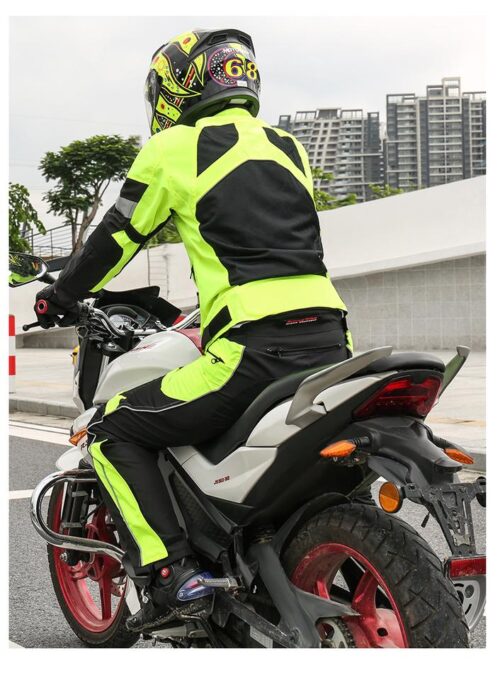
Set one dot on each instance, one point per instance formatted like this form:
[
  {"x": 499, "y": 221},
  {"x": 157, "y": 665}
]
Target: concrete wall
[
  {"x": 435, "y": 306},
  {"x": 407, "y": 230}
]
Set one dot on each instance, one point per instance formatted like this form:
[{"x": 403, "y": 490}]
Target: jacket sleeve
[{"x": 141, "y": 210}]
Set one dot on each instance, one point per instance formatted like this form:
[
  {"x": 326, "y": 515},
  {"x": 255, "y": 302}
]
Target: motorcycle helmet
[{"x": 198, "y": 74}]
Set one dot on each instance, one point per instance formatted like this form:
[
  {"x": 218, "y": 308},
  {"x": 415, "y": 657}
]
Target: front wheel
[
  {"x": 91, "y": 593},
  {"x": 386, "y": 572}
]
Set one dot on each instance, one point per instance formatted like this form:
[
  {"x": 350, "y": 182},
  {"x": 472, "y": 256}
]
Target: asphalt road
[{"x": 35, "y": 618}]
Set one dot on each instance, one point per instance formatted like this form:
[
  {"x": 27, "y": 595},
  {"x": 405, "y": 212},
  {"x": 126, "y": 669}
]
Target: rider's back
[{"x": 241, "y": 196}]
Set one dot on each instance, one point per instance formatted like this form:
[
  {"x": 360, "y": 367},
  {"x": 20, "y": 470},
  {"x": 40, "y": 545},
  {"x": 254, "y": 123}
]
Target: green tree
[
  {"x": 23, "y": 218},
  {"x": 83, "y": 170},
  {"x": 324, "y": 200},
  {"x": 384, "y": 190}
]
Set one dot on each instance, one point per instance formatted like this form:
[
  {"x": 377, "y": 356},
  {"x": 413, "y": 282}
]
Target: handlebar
[{"x": 85, "y": 312}]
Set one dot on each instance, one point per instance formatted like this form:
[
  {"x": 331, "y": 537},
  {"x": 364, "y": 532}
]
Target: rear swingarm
[{"x": 299, "y": 611}]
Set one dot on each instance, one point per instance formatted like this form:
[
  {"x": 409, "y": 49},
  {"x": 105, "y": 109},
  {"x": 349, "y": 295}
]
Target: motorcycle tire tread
[{"x": 428, "y": 603}]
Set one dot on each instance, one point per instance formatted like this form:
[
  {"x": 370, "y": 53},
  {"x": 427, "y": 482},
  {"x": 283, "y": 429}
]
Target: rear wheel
[
  {"x": 91, "y": 593},
  {"x": 386, "y": 572}
]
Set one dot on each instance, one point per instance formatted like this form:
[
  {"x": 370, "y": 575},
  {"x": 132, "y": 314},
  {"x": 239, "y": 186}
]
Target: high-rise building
[
  {"x": 343, "y": 142},
  {"x": 435, "y": 139}
]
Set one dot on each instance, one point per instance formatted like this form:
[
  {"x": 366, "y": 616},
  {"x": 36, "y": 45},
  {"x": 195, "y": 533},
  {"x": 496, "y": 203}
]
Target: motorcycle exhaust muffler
[{"x": 61, "y": 540}]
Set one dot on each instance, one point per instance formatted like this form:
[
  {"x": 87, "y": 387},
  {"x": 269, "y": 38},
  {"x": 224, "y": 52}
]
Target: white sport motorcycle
[{"x": 278, "y": 508}]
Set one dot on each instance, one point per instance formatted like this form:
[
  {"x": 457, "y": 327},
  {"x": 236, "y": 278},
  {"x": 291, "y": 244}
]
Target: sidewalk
[
  {"x": 44, "y": 386},
  {"x": 44, "y": 382}
]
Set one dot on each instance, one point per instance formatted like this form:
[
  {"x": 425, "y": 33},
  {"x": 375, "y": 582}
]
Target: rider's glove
[{"x": 61, "y": 307}]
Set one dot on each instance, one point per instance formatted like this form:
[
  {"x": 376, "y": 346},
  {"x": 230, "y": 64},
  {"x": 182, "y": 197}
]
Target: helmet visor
[{"x": 151, "y": 93}]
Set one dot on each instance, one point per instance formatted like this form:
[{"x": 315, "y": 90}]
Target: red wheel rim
[
  {"x": 90, "y": 589},
  {"x": 377, "y": 624}
]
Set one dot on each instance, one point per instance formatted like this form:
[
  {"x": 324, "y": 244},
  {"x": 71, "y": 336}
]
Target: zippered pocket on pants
[{"x": 281, "y": 351}]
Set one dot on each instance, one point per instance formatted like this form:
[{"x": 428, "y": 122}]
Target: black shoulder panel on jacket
[
  {"x": 214, "y": 141},
  {"x": 262, "y": 223},
  {"x": 287, "y": 145}
]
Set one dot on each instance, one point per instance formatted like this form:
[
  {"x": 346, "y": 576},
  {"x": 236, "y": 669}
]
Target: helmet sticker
[
  {"x": 163, "y": 66},
  {"x": 186, "y": 42},
  {"x": 230, "y": 66}
]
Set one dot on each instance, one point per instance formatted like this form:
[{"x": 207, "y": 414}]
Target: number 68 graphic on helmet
[
  {"x": 238, "y": 66},
  {"x": 229, "y": 66}
]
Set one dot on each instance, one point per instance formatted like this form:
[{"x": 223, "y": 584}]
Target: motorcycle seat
[{"x": 218, "y": 448}]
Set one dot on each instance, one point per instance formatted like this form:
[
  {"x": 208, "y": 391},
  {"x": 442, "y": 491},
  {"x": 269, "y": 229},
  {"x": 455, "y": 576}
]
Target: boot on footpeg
[{"x": 174, "y": 594}]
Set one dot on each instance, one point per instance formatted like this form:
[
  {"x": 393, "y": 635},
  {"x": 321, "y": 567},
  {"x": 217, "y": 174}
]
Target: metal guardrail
[{"x": 55, "y": 243}]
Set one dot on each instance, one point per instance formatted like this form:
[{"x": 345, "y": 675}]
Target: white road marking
[
  {"x": 13, "y": 644},
  {"x": 33, "y": 426},
  {"x": 24, "y": 493},
  {"x": 51, "y": 435}
]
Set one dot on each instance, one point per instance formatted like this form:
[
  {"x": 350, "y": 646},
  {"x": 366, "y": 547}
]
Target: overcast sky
[{"x": 72, "y": 77}]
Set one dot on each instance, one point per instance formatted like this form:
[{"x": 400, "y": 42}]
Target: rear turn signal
[
  {"x": 338, "y": 450},
  {"x": 459, "y": 456},
  {"x": 389, "y": 497},
  {"x": 74, "y": 439}
]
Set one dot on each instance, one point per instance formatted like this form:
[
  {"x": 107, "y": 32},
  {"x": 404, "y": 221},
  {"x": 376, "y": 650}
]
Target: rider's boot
[{"x": 174, "y": 594}]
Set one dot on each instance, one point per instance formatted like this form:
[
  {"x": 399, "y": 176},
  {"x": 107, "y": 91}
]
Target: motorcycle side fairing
[
  {"x": 152, "y": 357},
  {"x": 233, "y": 478}
]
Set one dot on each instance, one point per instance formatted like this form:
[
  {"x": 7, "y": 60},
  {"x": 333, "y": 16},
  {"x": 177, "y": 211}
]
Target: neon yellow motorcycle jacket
[{"x": 240, "y": 194}]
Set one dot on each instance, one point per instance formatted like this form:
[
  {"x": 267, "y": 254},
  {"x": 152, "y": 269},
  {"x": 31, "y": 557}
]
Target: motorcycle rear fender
[
  {"x": 402, "y": 451},
  {"x": 291, "y": 526}
]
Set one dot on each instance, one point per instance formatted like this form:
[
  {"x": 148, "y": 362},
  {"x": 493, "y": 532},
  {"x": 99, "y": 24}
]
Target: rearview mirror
[{"x": 24, "y": 268}]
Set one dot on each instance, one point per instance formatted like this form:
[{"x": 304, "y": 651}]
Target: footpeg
[
  {"x": 227, "y": 583},
  {"x": 188, "y": 630}
]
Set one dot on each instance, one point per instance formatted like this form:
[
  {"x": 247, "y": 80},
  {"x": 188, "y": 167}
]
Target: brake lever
[{"x": 27, "y": 326}]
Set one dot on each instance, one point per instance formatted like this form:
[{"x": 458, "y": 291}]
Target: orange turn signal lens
[
  {"x": 338, "y": 450},
  {"x": 389, "y": 497},
  {"x": 459, "y": 456},
  {"x": 74, "y": 439}
]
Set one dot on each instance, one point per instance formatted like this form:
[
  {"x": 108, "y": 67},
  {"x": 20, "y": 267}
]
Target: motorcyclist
[{"x": 240, "y": 193}]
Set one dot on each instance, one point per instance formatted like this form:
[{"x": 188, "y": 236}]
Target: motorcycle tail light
[
  {"x": 460, "y": 567},
  {"x": 402, "y": 396}
]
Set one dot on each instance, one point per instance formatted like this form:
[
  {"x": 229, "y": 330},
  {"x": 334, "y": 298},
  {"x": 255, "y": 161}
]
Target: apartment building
[
  {"x": 435, "y": 139},
  {"x": 344, "y": 142}
]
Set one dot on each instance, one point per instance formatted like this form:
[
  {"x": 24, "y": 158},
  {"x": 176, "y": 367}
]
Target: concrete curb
[
  {"x": 53, "y": 338},
  {"x": 44, "y": 408}
]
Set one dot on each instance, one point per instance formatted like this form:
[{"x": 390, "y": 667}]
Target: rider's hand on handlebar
[{"x": 60, "y": 309}]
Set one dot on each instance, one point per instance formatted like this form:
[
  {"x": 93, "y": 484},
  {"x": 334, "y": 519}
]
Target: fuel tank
[{"x": 152, "y": 357}]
